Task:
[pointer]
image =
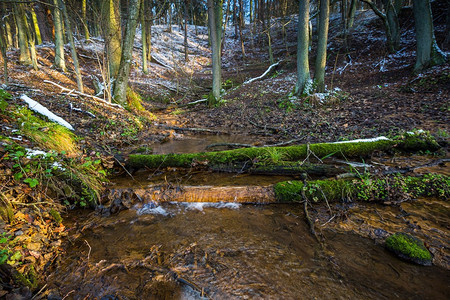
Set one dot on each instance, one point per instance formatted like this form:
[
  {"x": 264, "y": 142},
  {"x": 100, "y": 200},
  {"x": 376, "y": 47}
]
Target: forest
[{"x": 224, "y": 149}]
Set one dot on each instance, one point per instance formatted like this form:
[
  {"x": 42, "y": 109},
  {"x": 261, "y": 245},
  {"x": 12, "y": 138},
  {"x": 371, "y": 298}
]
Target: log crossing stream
[{"x": 206, "y": 235}]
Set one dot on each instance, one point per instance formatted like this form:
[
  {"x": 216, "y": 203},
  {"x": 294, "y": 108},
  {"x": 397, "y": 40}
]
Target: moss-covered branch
[
  {"x": 365, "y": 189},
  {"x": 235, "y": 158}
]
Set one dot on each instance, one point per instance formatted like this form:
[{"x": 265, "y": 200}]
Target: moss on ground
[
  {"x": 389, "y": 188},
  {"x": 409, "y": 248},
  {"x": 408, "y": 142}
]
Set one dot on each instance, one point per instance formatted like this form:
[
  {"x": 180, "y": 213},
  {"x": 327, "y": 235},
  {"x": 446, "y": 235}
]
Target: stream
[{"x": 228, "y": 250}]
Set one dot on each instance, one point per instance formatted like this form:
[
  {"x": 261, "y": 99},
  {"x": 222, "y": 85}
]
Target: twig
[
  {"x": 67, "y": 295},
  {"x": 40, "y": 291},
  {"x": 328, "y": 221},
  {"x": 89, "y": 253}
]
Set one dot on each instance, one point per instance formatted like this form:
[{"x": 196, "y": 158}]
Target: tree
[
  {"x": 428, "y": 52},
  {"x": 59, "y": 38},
  {"x": 303, "y": 77},
  {"x": 62, "y": 7},
  {"x": 121, "y": 85},
  {"x": 321, "y": 59},
  {"x": 390, "y": 21},
  {"x": 215, "y": 31},
  {"x": 112, "y": 35},
  {"x": 144, "y": 37},
  {"x": 22, "y": 28},
  {"x": 84, "y": 20}
]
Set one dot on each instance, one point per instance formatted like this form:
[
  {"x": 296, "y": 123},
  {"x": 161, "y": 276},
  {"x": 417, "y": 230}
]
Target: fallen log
[
  {"x": 357, "y": 148},
  {"x": 383, "y": 189}
]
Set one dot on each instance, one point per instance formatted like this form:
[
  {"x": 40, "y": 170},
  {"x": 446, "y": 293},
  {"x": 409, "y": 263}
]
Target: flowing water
[
  {"x": 232, "y": 252},
  {"x": 241, "y": 251}
]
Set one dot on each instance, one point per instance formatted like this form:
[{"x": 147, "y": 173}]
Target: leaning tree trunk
[
  {"x": 351, "y": 13},
  {"x": 59, "y": 38},
  {"x": 22, "y": 28},
  {"x": 76, "y": 65},
  {"x": 186, "y": 57},
  {"x": 303, "y": 77},
  {"x": 321, "y": 59},
  {"x": 428, "y": 52},
  {"x": 121, "y": 85},
  {"x": 215, "y": 28}
]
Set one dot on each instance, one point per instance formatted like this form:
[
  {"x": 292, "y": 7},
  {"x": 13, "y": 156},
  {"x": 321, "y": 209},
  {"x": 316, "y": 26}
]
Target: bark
[
  {"x": 84, "y": 20},
  {"x": 148, "y": 24},
  {"x": 428, "y": 52},
  {"x": 215, "y": 28},
  {"x": 303, "y": 77},
  {"x": 59, "y": 38},
  {"x": 22, "y": 28},
  {"x": 121, "y": 85},
  {"x": 144, "y": 38},
  {"x": 3, "y": 47},
  {"x": 321, "y": 59},
  {"x": 241, "y": 26},
  {"x": 113, "y": 35},
  {"x": 351, "y": 14},
  {"x": 186, "y": 4},
  {"x": 76, "y": 65},
  {"x": 37, "y": 31}
]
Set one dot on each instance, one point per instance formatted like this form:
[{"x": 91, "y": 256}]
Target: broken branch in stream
[{"x": 192, "y": 129}]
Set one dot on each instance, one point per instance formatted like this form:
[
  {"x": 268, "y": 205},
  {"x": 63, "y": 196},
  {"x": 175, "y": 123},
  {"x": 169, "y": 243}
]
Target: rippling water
[{"x": 178, "y": 251}]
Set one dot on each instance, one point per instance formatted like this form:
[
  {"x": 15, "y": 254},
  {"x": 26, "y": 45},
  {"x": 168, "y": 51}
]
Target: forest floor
[{"x": 371, "y": 93}]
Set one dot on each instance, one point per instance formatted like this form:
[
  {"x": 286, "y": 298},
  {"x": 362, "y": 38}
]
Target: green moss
[
  {"x": 388, "y": 188},
  {"x": 56, "y": 216},
  {"x": 292, "y": 153},
  {"x": 409, "y": 248}
]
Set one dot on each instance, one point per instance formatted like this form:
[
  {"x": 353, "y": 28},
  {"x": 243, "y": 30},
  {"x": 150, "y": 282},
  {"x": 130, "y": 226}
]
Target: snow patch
[
  {"x": 380, "y": 138},
  {"x": 40, "y": 109}
]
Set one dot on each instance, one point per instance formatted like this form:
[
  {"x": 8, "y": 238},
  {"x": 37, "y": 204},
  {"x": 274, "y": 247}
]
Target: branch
[
  {"x": 263, "y": 75},
  {"x": 85, "y": 95},
  {"x": 375, "y": 9}
]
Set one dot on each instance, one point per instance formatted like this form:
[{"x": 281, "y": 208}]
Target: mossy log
[
  {"x": 235, "y": 158},
  {"x": 384, "y": 189}
]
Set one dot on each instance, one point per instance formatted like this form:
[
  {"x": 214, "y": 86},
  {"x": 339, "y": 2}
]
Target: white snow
[
  {"x": 201, "y": 205},
  {"x": 380, "y": 138},
  {"x": 35, "y": 106},
  {"x": 31, "y": 153}
]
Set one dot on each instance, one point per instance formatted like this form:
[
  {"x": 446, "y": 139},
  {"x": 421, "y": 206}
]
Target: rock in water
[{"x": 409, "y": 248}]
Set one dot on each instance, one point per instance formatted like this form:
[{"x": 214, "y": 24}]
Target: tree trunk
[
  {"x": 144, "y": 37},
  {"x": 22, "y": 28},
  {"x": 428, "y": 52},
  {"x": 227, "y": 13},
  {"x": 148, "y": 5},
  {"x": 113, "y": 35},
  {"x": 120, "y": 87},
  {"x": 241, "y": 26},
  {"x": 36, "y": 27},
  {"x": 186, "y": 57},
  {"x": 85, "y": 25},
  {"x": 321, "y": 59},
  {"x": 215, "y": 28},
  {"x": 3, "y": 47},
  {"x": 76, "y": 65},
  {"x": 303, "y": 77},
  {"x": 59, "y": 38},
  {"x": 351, "y": 14}
]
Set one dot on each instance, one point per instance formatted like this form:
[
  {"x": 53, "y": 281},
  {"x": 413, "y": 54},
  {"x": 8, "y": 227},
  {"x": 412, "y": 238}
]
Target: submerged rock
[{"x": 409, "y": 248}]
